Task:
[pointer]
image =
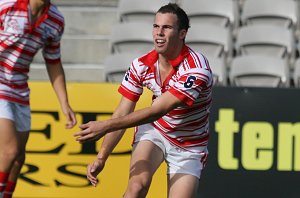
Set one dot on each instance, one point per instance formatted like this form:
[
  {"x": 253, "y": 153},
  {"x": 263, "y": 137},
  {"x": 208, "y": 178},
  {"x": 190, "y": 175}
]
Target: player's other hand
[
  {"x": 70, "y": 115},
  {"x": 93, "y": 169},
  {"x": 91, "y": 131}
]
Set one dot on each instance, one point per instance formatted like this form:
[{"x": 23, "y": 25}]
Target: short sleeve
[
  {"x": 190, "y": 85},
  {"x": 52, "y": 48},
  {"x": 131, "y": 86}
]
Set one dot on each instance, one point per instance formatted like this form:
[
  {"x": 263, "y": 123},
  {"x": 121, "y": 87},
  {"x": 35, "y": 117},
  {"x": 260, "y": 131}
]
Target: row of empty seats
[
  {"x": 221, "y": 12},
  {"x": 248, "y": 71},
  {"x": 85, "y": 43},
  {"x": 228, "y": 32},
  {"x": 223, "y": 30}
]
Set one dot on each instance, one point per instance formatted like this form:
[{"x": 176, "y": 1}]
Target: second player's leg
[{"x": 146, "y": 158}]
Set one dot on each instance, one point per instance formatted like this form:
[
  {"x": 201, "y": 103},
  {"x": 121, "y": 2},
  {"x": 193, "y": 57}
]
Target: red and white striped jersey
[
  {"x": 191, "y": 81},
  {"x": 20, "y": 40}
]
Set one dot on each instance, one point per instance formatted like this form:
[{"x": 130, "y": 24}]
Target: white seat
[
  {"x": 139, "y": 10},
  {"x": 131, "y": 37},
  {"x": 266, "y": 39},
  {"x": 116, "y": 65},
  {"x": 100, "y": 20},
  {"x": 219, "y": 70},
  {"x": 210, "y": 40},
  {"x": 279, "y": 12},
  {"x": 219, "y": 12},
  {"x": 296, "y": 76},
  {"x": 81, "y": 49},
  {"x": 73, "y": 72},
  {"x": 259, "y": 71},
  {"x": 95, "y": 3}
]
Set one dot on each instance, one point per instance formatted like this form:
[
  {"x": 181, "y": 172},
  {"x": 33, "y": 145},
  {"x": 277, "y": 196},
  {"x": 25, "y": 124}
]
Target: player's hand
[
  {"x": 93, "y": 169},
  {"x": 70, "y": 115},
  {"x": 91, "y": 131}
]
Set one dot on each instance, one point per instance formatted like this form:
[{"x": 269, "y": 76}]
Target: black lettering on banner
[
  {"x": 86, "y": 148},
  {"x": 47, "y": 132},
  {"x": 31, "y": 169},
  {"x": 90, "y": 147},
  {"x": 64, "y": 169},
  {"x": 189, "y": 82}
]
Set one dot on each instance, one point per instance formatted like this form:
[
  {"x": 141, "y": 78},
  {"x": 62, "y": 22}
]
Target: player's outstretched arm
[
  {"x": 96, "y": 129},
  {"x": 57, "y": 78},
  {"x": 110, "y": 141}
]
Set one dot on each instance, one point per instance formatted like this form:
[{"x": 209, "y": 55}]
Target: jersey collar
[
  {"x": 23, "y": 5},
  {"x": 151, "y": 58}
]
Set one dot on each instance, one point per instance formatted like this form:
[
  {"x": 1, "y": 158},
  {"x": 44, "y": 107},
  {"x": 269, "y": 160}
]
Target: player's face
[{"x": 166, "y": 35}]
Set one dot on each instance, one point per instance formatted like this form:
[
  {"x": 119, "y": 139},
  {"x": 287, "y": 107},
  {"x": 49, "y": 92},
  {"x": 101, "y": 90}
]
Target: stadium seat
[
  {"x": 95, "y": 3},
  {"x": 219, "y": 70},
  {"x": 139, "y": 10},
  {"x": 115, "y": 66},
  {"x": 259, "y": 71},
  {"x": 219, "y": 12},
  {"x": 266, "y": 39},
  {"x": 279, "y": 12},
  {"x": 81, "y": 49},
  {"x": 211, "y": 40},
  {"x": 296, "y": 76},
  {"x": 73, "y": 72},
  {"x": 88, "y": 20},
  {"x": 131, "y": 37}
]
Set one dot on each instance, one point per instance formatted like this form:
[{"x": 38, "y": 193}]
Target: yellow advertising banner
[{"x": 56, "y": 164}]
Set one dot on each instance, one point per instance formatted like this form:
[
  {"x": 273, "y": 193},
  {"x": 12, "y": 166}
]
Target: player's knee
[
  {"x": 138, "y": 188},
  {"x": 10, "y": 153}
]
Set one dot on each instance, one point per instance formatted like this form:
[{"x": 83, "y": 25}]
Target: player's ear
[{"x": 182, "y": 33}]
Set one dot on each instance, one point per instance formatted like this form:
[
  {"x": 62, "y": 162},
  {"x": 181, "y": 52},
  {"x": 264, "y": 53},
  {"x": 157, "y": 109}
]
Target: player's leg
[
  {"x": 184, "y": 170},
  {"x": 182, "y": 185},
  {"x": 22, "y": 119},
  {"x": 8, "y": 150},
  {"x": 17, "y": 165},
  {"x": 146, "y": 158}
]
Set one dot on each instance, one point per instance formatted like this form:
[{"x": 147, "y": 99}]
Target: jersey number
[
  {"x": 189, "y": 82},
  {"x": 127, "y": 75}
]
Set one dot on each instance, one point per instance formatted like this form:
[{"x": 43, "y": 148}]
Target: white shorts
[
  {"x": 18, "y": 113},
  {"x": 178, "y": 160}
]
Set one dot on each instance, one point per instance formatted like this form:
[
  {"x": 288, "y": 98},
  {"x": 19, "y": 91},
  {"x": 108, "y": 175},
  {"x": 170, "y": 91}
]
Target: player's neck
[
  {"x": 163, "y": 61},
  {"x": 37, "y": 6},
  {"x": 173, "y": 52}
]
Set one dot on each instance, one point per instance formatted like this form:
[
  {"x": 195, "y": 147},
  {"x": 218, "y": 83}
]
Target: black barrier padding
[{"x": 265, "y": 105}]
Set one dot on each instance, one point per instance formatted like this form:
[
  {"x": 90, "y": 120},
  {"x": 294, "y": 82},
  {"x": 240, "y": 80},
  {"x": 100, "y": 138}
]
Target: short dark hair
[{"x": 183, "y": 19}]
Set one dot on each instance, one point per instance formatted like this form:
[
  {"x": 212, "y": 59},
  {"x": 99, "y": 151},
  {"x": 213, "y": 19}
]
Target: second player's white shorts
[
  {"x": 18, "y": 113},
  {"x": 179, "y": 160}
]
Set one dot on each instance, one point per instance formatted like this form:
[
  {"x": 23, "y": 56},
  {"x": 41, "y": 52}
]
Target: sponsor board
[
  {"x": 56, "y": 164},
  {"x": 254, "y": 145}
]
